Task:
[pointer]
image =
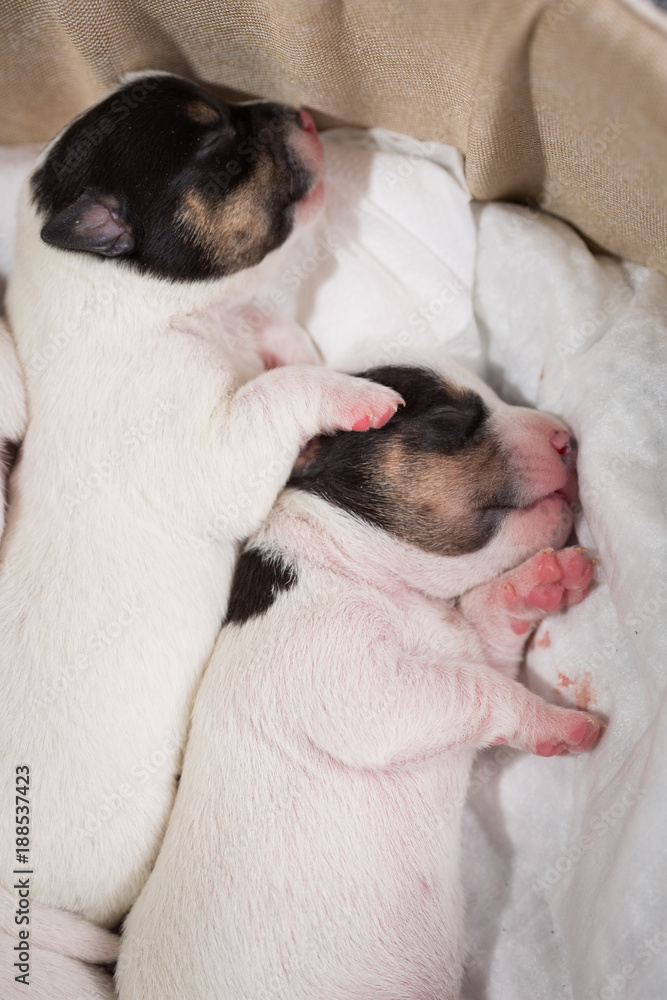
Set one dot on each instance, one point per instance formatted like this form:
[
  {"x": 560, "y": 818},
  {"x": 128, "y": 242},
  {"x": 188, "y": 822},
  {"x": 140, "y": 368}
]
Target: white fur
[
  {"x": 313, "y": 849},
  {"x": 143, "y": 466}
]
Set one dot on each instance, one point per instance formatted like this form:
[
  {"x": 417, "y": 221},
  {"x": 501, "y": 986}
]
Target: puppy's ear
[
  {"x": 307, "y": 456},
  {"x": 94, "y": 223}
]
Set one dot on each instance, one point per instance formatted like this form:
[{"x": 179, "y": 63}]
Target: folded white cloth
[{"x": 565, "y": 859}]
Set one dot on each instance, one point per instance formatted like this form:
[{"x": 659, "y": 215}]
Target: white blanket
[{"x": 565, "y": 860}]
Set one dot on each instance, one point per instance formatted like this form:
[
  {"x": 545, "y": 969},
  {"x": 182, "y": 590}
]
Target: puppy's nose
[
  {"x": 306, "y": 121},
  {"x": 566, "y": 446}
]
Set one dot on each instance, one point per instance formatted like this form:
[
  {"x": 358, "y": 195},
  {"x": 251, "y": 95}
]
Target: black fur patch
[
  {"x": 258, "y": 580},
  {"x": 434, "y": 475},
  {"x": 197, "y": 188},
  {"x": 10, "y": 452}
]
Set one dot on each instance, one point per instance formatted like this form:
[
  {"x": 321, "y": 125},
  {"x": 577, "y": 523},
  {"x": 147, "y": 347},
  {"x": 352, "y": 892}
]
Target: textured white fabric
[{"x": 565, "y": 859}]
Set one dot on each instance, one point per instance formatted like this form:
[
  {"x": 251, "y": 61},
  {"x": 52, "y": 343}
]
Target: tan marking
[
  {"x": 202, "y": 113},
  {"x": 233, "y": 229},
  {"x": 434, "y": 500}
]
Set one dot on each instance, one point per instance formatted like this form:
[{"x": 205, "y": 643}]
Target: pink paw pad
[
  {"x": 547, "y": 582},
  {"x": 579, "y": 735},
  {"x": 372, "y": 417},
  {"x": 547, "y": 597},
  {"x": 368, "y": 420}
]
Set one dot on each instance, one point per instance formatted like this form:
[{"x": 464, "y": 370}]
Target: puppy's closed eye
[
  {"x": 447, "y": 428},
  {"x": 217, "y": 139}
]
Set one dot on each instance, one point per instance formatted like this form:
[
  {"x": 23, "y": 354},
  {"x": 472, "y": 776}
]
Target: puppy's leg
[
  {"x": 505, "y": 611},
  {"x": 537, "y": 726},
  {"x": 272, "y": 417},
  {"x": 481, "y": 707},
  {"x": 280, "y": 341},
  {"x": 406, "y": 707},
  {"x": 254, "y": 342}
]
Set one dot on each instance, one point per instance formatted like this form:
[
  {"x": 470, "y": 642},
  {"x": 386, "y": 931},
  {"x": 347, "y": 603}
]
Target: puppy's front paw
[
  {"x": 549, "y": 731},
  {"x": 355, "y": 404},
  {"x": 544, "y": 584},
  {"x": 563, "y": 731}
]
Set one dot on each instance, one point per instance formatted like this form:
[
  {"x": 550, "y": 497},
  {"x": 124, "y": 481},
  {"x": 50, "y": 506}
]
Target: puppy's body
[
  {"x": 142, "y": 467},
  {"x": 313, "y": 849}
]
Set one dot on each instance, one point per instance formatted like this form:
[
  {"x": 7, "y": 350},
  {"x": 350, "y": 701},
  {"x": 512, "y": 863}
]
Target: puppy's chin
[
  {"x": 546, "y": 523},
  {"x": 305, "y": 142},
  {"x": 310, "y": 206}
]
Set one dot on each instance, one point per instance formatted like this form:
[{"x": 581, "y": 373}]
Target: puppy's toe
[
  {"x": 359, "y": 405},
  {"x": 547, "y": 582},
  {"x": 571, "y": 732}
]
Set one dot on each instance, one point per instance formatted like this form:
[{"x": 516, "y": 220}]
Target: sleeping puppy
[
  {"x": 12, "y": 412},
  {"x": 144, "y": 463},
  {"x": 313, "y": 850}
]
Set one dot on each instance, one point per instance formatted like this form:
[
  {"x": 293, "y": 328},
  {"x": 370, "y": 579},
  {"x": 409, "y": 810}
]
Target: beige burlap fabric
[{"x": 558, "y": 101}]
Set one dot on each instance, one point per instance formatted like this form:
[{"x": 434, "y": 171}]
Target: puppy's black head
[
  {"x": 177, "y": 182},
  {"x": 435, "y": 475}
]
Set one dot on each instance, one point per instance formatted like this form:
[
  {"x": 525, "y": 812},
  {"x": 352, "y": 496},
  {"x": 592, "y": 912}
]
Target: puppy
[
  {"x": 12, "y": 412},
  {"x": 144, "y": 462},
  {"x": 313, "y": 850}
]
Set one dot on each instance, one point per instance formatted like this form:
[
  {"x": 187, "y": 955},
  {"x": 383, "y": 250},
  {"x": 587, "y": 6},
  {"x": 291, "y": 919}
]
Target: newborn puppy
[
  {"x": 143, "y": 464},
  {"x": 313, "y": 850},
  {"x": 12, "y": 413}
]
